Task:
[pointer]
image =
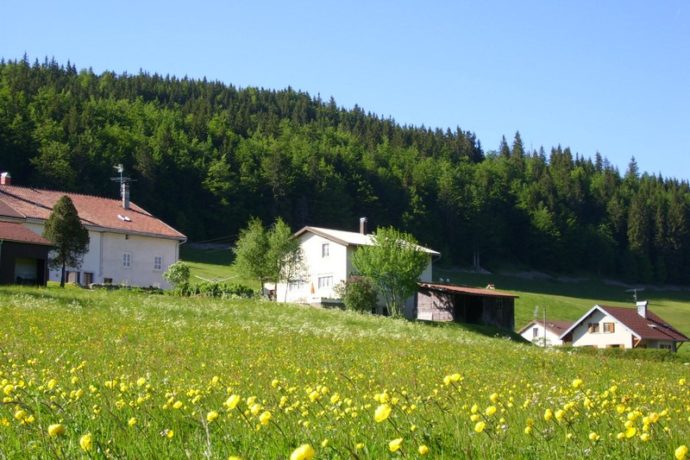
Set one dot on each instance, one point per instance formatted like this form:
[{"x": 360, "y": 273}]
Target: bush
[
  {"x": 358, "y": 293},
  {"x": 177, "y": 274},
  {"x": 211, "y": 289}
]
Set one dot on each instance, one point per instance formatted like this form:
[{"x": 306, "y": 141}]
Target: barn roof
[
  {"x": 16, "y": 232},
  {"x": 467, "y": 290},
  {"x": 94, "y": 211},
  {"x": 350, "y": 238},
  {"x": 651, "y": 327}
]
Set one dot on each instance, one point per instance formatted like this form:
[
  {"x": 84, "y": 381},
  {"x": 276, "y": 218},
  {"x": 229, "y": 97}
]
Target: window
[
  {"x": 295, "y": 285},
  {"x": 665, "y": 346},
  {"x": 609, "y": 328},
  {"x": 593, "y": 327},
  {"x": 535, "y": 332},
  {"x": 325, "y": 250},
  {"x": 127, "y": 260},
  {"x": 325, "y": 281},
  {"x": 158, "y": 263}
]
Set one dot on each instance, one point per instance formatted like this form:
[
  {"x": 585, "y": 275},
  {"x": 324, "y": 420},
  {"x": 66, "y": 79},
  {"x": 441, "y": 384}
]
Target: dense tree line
[{"x": 207, "y": 156}]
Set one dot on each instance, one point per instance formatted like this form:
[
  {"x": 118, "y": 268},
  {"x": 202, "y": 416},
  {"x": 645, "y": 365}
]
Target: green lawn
[{"x": 214, "y": 265}]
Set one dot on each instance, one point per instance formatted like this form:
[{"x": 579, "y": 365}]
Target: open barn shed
[
  {"x": 23, "y": 255},
  {"x": 448, "y": 302}
]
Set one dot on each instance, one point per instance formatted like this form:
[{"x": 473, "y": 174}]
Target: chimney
[
  {"x": 642, "y": 308},
  {"x": 363, "y": 225},
  {"x": 124, "y": 191},
  {"x": 5, "y": 179}
]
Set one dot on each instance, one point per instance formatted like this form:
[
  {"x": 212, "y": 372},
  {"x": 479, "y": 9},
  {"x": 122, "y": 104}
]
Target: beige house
[
  {"x": 327, "y": 261},
  {"x": 547, "y": 333},
  {"x": 620, "y": 327},
  {"x": 127, "y": 245}
]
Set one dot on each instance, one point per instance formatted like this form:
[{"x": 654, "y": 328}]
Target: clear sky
[{"x": 607, "y": 76}]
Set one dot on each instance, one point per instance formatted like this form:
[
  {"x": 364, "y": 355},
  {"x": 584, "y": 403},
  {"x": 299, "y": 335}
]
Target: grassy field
[{"x": 133, "y": 375}]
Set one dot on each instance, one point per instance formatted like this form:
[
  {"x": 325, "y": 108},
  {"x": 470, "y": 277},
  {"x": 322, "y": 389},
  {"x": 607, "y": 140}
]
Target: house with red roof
[
  {"x": 620, "y": 327},
  {"x": 545, "y": 333},
  {"x": 127, "y": 244}
]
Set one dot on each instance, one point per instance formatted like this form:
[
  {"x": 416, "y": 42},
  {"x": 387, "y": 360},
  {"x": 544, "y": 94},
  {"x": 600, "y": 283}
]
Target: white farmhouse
[
  {"x": 546, "y": 333},
  {"x": 327, "y": 258},
  {"x": 620, "y": 327},
  {"x": 127, "y": 245}
]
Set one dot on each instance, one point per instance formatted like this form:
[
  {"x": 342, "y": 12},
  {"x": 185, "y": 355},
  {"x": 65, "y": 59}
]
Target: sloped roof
[
  {"x": 350, "y": 238},
  {"x": 556, "y": 326},
  {"x": 653, "y": 327},
  {"x": 467, "y": 290},
  {"x": 14, "y": 231},
  {"x": 94, "y": 211}
]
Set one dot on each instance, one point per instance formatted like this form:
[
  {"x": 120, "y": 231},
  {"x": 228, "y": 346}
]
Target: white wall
[
  {"x": 104, "y": 259},
  {"x": 622, "y": 336},
  {"x": 551, "y": 338}
]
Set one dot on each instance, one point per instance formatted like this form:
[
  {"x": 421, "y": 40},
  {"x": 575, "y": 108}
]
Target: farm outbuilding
[
  {"x": 23, "y": 255},
  {"x": 448, "y": 302}
]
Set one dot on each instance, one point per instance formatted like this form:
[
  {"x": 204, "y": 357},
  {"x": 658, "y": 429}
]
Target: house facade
[
  {"x": 327, "y": 261},
  {"x": 547, "y": 333},
  {"x": 127, "y": 245},
  {"x": 619, "y": 327}
]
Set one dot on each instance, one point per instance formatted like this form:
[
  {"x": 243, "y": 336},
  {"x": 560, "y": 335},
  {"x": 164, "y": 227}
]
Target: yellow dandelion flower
[
  {"x": 493, "y": 398},
  {"x": 255, "y": 409},
  {"x": 630, "y": 432},
  {"x": 141, "y": 381},
  {"x": 265, "y": 417},
  {"x": 491, "y": 410},
  {"x": 395, "y": 444},
  {"x": 324, "y": 443},
  {"x": 56, "y": 429},
  {"x": 475, "y": 417},
  {"x": 177, "y": 405},
  {"x": 423, "y": 450},
  {"x": 234, "y": 457},
  {"x": 474, "y": 409},
  {"x": 232, "y": 402},
  {"x": 86, "y": 442},
  {"x": 681, "y": 452},
  {"x": 560, "y": 413},
  {"x": 479, "y": 427},
  {"x": 593, "y": 436},
  {"x": 577, "y": 383},
  {"x": 645, "y": 437},
  {"x": 132, "y": 421},
  {"x": 548, "y": 414},
  {"x": 528, "y": 430},
  {"x": 620, "y": 436},
  {"x": 303, "y": 452},
  {"x": 212, "y": 416},
  {"x": 382, "y": 412}
]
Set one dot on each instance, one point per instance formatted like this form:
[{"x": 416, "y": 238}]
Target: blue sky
[{"x": 612, "y": 77}]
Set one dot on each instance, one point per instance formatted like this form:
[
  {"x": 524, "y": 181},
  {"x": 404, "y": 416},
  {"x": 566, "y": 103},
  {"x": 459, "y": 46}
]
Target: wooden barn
[
  {"x": 23, "y": 255},
  {"x": 448, "y": 302}
]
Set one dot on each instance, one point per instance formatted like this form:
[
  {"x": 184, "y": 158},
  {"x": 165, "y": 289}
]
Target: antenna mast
[{"x": 124, "y": 184}]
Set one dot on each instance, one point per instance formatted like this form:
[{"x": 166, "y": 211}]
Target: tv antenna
[
  {"x": 124, "y": 184},
  {"x": 634, "y": 291}
]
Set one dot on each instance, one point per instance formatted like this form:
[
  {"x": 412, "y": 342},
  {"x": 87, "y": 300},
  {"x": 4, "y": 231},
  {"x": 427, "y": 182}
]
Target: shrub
[
  {"x": 211, "y": 289},
  {"x": 358, "y": 293},
  {"x": 177, "y": 273}
]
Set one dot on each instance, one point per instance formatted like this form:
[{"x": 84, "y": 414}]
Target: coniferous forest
[{"x": 207, "y": 156}]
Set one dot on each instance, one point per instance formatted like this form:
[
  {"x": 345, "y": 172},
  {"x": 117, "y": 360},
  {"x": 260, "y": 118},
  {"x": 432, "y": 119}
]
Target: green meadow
[{"x": 128, "y": 374}]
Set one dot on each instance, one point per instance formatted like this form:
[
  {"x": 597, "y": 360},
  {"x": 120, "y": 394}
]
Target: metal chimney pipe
[
  {"x": 124, "y": 191},
  {"x": 363, "y": 225}
]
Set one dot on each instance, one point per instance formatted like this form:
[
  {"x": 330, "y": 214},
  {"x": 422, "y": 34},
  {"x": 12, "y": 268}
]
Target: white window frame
[
  {"x": 157, "y": 263},
  {"x": 324, "y": 282},
  {"x": 127, "y": 260},
  {"x": 325, "y": 250}
]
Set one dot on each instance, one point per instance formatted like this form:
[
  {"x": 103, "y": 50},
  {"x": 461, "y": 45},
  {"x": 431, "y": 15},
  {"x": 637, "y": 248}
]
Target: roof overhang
[{"x": 603, "y": 311}]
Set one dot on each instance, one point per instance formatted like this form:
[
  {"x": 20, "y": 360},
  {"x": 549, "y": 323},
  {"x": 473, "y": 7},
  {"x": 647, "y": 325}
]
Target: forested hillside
[{"x": 206, "y": 156}]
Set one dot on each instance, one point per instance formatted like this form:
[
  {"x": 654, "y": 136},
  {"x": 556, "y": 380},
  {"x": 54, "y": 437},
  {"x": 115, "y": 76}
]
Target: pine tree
[{"x": 71, "y": 239}]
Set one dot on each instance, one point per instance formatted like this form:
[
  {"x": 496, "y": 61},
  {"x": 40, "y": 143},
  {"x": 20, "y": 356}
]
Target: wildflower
[
  {"x": 491, "y": 410},
  {"x": 423, "y": 450},
  {"x": 141, "y": 381},
  {"x": 232, "y": 402},
  {"x": 359, "y": 446},
  {"x": 548, "y": 414},
  {"x": 474, "y": 409},
  {"x": 275, "y": 383},
  {"x": 493, "y": 398},
  {"x": 303, "y": 452},
  {"x": 234, "y": 457},
  {"x": 177, "y": 405},
  {"x": 681, "y": 382},
  {"x": 479, "y": 427},
  {"x": 86, "y": 442},
  {"x": 577, "y": 383},
  {"x": 593, "y": 436},
  {"x": 265, "y": 417},
  {"x": 681, "y": 452},
  {"x": 212, "y": 416},
  {"x": 630, "y": 432},
  {"x": 255, "y": 409},
  {"x": 56, "y": 429},
  {"x": 395, "y": 444},
  {"x": 475, "y": 417},
  {"x": 528, "y": 430},
  {"x": 132, "y": 421},
  {"x": 560, "y": 413},
  {"x": 382, "y": 412},
  {"x": 645, "y": 437},
  {"x": 324, "y": 443}
]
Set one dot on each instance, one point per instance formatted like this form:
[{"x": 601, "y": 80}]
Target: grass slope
[{"x": 154, "y": 376}]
